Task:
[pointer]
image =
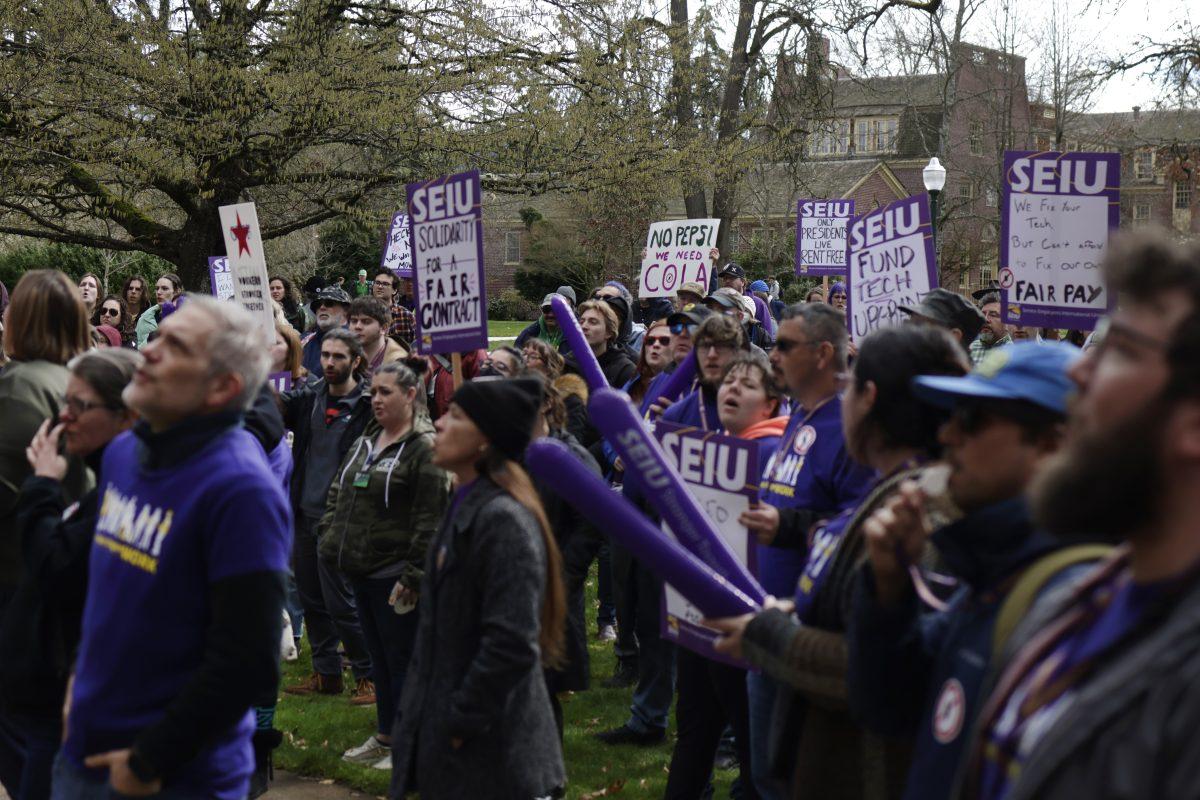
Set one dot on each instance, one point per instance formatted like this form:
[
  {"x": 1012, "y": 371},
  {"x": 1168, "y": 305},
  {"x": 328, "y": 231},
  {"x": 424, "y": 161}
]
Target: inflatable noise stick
[
  {"x": 569, "y": 325},
  {"x": 551, "y": 462},
  {"x": 647, "y": 464},
  {"x": 679, "y": 381}
]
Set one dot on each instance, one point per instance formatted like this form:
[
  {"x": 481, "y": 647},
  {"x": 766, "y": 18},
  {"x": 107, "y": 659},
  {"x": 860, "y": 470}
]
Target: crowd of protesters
[{"x": 979, "y": 543}]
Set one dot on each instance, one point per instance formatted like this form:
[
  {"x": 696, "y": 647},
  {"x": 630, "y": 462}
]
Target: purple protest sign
[
  {"x": 280, "y": 381},
  {"x": 397, "y": 249},
  {"x": 821, "y": 236},
  {"x": 573, "y": 333},
  {"x": 649, "y": 468},
  {"x": 1057, "y": 214},
  {"x": 449, "y": 291},
  {"x": 550, "y": 461},
  {"x": 891, "y": 264},
  {"x": 722, "y": 473},
  {"x": 220, "y": 278}
]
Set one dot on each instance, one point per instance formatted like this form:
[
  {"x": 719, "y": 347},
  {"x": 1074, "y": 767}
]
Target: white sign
[
  {"x": 397, "y": 251},
  {"x": 247, "y": 262},
  {"x": 677, "y": 252}
]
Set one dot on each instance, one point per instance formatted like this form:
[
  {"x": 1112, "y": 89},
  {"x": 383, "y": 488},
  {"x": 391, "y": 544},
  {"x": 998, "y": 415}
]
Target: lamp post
[{"x": 934, "y": 176}]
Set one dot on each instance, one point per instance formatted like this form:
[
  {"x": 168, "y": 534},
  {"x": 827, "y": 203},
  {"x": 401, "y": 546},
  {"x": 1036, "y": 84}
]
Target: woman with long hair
[
  {"x": 136, "y": 297},
  {"x": 544, "y": 358},
  {"x": 40, "y": 630},
  {"x": 475, "y": 718},
  {"x": 801, "y": 642},
  {"x": 287, "y": 352},
  {"x": 284, "y": 293},
  {"x": 653, "y": 359},
  {"x": 89, "y": 291},
  {"x": 111, "y": 311},
  {"x": 167, "y": 289}
]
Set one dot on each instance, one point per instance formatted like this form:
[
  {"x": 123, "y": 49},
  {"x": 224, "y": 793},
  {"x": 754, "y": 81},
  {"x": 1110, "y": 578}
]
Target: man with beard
[
  {"x": 994, "y": 332},
  {"x": 917, "y": 673},
  {"x": 1102, "y": 699},
  {"x": 330, "y": 307},
  {"x": 327, "y": 416}
]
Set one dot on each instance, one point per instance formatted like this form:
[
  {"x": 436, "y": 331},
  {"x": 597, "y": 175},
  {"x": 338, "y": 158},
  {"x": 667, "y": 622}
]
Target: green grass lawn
[
  {"x": 318, "y": 729},
  {"x": 505, "y": 328}
]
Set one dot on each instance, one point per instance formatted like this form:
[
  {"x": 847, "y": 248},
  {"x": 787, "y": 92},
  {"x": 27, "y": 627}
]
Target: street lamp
[{"x": 934, "y": 176}]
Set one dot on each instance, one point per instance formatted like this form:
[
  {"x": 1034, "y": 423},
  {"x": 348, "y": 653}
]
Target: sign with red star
[{"x": 247, "y": 265}]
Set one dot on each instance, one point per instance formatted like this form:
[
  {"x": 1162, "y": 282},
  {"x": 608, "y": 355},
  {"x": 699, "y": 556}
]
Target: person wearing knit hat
[{"x": 492, "y": 608}]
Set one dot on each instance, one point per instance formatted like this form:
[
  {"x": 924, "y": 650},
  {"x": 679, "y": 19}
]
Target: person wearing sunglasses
[
  {"x": 1006, "y": 422},
  {"x": 111, "y": 312}
]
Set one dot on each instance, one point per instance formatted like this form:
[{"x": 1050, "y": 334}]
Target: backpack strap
[{"x": 1032, "y": 580}]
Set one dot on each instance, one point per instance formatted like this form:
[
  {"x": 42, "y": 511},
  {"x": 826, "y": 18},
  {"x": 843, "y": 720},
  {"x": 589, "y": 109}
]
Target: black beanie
[{"x": 505, "y": 409}]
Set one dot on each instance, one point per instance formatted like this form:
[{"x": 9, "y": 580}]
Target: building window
[
  {"x": 1141, "y": 214},
  {"x": 875, "y": 135},
  {"x": 1183, "y": 195},
  {"x": 978, "y": 57},
  {"x": 965, "y": 191},
  {"x": 832, "y": 138},
  {"x": 1048, "y": 113},
  {"x": 989, "y": 195},
  {"x": 964, "y": 279},
  {"x": 512, "y": 247},
  {"x": 975, "y": 138},
  {"x": 986, "y": 275},
  {"x": 1143, "y": 165}
]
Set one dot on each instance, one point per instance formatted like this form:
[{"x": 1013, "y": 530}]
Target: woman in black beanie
[{"x": 475, "y": 718}]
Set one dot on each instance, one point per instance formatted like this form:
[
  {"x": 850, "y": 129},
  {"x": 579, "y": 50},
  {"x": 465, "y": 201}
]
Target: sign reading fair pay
[
  {"x": 1055, "y": 221},
  {"x": 447, "y": 250}
]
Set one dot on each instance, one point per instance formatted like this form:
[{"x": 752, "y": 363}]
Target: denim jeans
[
  {"x": 656, "y": 657},
  {"x": 27, "y": 748},
  {"x": 761, "y": 693},
  {"x": 329, "y": 612},
  {"x": 391, "y": 639}
]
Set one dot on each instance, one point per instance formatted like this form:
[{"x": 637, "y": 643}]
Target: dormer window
[{"x": 875, "y": 135}]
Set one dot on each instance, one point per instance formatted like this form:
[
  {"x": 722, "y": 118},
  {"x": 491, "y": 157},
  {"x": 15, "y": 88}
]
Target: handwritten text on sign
[
  {"x": 821, "y": 236},
  {"x": 247, "y": 262},
  {"x": 397, "y": 250},
  {"x": 891, "y": 264},
  {"x": 677, "y": 253},
  {"x": 723, "y": 474},
  {"x": 447, "y": 250},
  {"x": 1057, "y": 214},
  {"x": 220, "y": 279}
]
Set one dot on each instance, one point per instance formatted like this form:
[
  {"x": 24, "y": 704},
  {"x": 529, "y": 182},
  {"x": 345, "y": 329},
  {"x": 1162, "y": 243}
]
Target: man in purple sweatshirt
[{"x": 187, "y": 575}]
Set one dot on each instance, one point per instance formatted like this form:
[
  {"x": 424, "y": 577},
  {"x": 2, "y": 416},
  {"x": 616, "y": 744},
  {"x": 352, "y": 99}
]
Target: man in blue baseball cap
[{"x": 917, "y": 664}]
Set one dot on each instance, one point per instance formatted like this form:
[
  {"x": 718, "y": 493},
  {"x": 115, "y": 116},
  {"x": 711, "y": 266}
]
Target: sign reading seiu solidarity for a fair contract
[
  {"x": 723, "y": 474},
  {"x": 821, "y": 236},
  {"x": 891, "y": 264},
  {"x": 248, "y": 262},
  {"x": 677, "y": 252},
  {"x": 1055, "y": 221},
  {"x": 220, "y": 279},
  {"x": 397, "y": 250},
  {"x": 447, "y": 250}
]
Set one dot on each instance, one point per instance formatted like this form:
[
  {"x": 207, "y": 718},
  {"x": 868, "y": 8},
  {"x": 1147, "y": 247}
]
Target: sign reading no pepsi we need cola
[
  {"x": 891, "y": 263},
  {"x": 446, "y": 226},
  {"x": 1057, "y": 214},
  {"x": 722, "y": 472}
]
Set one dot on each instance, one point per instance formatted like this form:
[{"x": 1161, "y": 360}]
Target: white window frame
[
  {"x": 1141, "y": 214},
  {"x": 1182, "y": 196},
  {"x": 509, "y": 238},
  {"x": 1143, "y": 172}
]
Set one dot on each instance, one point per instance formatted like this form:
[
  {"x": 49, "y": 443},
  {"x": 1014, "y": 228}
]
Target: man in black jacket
[
  {"x": 1103, "y": 699},
  {"x": 326, "y": 417}
]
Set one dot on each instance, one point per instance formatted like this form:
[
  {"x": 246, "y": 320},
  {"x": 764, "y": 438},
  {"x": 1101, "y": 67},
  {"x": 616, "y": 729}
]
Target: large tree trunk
[
  {"x": 200, "y": 238},
  {"x": 694, "y": 201},
  {"x": 731, "y": 107}
]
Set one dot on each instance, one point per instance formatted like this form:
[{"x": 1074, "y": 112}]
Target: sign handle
[
  {"x": 456, "y": 366},
  {"x": 825, "y": 287}
]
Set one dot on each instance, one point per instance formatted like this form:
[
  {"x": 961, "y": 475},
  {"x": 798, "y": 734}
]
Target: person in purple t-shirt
[{"x": 187, "y": 575}]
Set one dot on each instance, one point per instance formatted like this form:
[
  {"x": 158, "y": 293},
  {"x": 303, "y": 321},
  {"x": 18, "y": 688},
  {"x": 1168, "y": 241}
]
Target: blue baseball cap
[
  {"x": 1030, "y": 371},
  {"x": 760, "y": 286}
]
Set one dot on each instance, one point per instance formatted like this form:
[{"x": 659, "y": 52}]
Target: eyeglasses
[
  {"x": 678, "y": 328},
  {"x": 77, "y": 407},
  {"x": 660, "y": 340},
  {"x": 110, "y": 311},
  {"x": 1109, "y": 332},
  {"x": 722, "y": 348},
  {"x": 785, "y": 345}
]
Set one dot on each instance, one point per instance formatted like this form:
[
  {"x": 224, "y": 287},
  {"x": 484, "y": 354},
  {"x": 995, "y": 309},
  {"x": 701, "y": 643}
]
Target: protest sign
[
  {"x": 247, "y": 262},
  {"x": 1058, "y": 211},
  {"x": 220, "y": 279},
  {"x": 447, "y": 251},
  {"x": 397, "y": 250},
  {"x": 891, "y": 264},
  {"x": 722, "y": 473},
  {"x": 280, "y": 381},
  {"x": 676, "y": 253},
  {"x": 821, "y": 236}
]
